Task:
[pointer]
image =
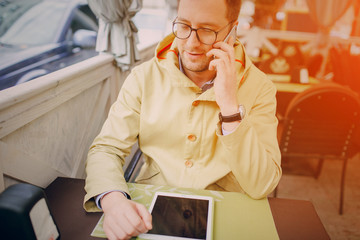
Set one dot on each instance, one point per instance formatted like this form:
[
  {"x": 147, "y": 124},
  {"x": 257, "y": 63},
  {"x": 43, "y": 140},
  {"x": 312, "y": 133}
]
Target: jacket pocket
[
  {"x": 147, "y": 174},
  {"x": 227, "y": 183}
]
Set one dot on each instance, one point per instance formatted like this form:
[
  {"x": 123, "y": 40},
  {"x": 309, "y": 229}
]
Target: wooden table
[{"x": 294, "y": 219}]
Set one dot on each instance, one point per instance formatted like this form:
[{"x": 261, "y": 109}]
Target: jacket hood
[{"x": 167, "y": 56}]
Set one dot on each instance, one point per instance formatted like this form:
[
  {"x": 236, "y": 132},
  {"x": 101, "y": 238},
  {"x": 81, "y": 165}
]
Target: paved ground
[{"x": 324, "y": 194}]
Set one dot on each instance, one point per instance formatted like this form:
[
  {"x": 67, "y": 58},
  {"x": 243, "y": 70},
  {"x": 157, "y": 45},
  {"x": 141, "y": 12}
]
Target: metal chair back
[{"x": 322, "y": 123}]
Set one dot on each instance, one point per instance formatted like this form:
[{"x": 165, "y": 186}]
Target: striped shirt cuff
[{"x": 100, "y": 196}]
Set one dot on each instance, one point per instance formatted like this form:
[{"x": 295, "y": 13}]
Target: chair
[
  {"x": 321, "y": 123},
  {"x": 345, "y": 67},
  {"x": 133, "y": 168}
]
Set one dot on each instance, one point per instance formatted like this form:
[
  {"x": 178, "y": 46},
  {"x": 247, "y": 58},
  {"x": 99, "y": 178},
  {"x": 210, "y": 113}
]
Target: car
[{"x": 41, "y": 36}]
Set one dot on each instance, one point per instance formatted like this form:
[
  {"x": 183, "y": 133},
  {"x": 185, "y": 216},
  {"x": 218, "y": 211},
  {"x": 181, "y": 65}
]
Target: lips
[{"x": 194, "y": 55}]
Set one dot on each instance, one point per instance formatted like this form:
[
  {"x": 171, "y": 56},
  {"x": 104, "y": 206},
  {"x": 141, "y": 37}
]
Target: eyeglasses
[{"x": 204, "y": 35}]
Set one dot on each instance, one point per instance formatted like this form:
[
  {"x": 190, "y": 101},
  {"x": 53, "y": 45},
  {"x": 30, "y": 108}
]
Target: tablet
[{"x": 180, "y": 216}]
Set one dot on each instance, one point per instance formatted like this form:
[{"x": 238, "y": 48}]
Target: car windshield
[{"x": 39, "y": 25}]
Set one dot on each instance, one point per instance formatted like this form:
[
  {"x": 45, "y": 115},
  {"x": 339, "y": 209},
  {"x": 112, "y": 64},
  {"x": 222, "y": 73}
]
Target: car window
[
  {"x": 83, "y": 20},
  {"x": 39, "y": 25},
  {"x": 11, "y": 11},
  {"x": 38, "y": 37}
]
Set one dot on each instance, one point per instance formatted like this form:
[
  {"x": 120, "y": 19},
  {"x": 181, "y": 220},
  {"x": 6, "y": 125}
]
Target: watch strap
[
  {"x": 234, "y": 117},
  {"x": 230, "y": 118}
]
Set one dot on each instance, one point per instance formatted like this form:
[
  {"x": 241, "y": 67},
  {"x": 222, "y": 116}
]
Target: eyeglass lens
[{"x": 205, "y": 35}]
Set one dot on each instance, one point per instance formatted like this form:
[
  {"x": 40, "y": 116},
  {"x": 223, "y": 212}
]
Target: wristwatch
[{"x": 235, "y": 117}]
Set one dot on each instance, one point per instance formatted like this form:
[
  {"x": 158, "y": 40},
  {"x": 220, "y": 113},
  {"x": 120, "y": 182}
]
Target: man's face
[{"x": 200, "y": 14}]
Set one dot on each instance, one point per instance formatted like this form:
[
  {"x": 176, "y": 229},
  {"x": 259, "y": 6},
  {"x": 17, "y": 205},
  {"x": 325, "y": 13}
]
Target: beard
[{"x": 199, "y": 65}]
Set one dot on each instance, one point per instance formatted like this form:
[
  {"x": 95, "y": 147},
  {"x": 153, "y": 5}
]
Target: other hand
[{"x": 124, "y": 218}]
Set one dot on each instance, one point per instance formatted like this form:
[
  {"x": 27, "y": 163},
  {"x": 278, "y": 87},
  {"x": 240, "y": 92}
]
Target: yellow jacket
[{"x": 178, "y": 130}]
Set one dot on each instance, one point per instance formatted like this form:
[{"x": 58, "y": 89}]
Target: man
[{"x": 171, "y": 107}]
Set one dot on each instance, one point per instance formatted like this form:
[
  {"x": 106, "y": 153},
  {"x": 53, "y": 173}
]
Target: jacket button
[
  {"x": 192, "y": 137},
  {"x": 195, "y": 103},
  {"x": 188, "y": 163}
]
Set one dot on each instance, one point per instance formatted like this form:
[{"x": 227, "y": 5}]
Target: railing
[{"x": 48, "y": 124}]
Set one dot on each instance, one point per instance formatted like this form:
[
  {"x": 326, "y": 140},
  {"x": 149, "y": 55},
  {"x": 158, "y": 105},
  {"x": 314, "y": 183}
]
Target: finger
[
  {"x": 218, "y": 65},
  {"x": 213, "y": 64},
  {"x": 225, "y": 45},
  {"x": 229, "y": 49},
  {"x": 218, "y": 53},
  {"x": 109, "y": 234},
  {"x": 113, "y": 231},
  {"x": 135, "y": 224},
  {"x": 145, "y": 215},
  {"x": 120, "y": 226},
  {"x": 126, "y": 231}
]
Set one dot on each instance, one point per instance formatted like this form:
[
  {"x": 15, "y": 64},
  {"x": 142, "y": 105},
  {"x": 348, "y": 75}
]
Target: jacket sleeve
[
  {"x": 106, "y": 157},
  {"x": 252, "y": 149}
]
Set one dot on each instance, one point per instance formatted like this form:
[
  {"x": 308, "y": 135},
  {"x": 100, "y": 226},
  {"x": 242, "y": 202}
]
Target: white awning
[{"x": 117, "y": 33}]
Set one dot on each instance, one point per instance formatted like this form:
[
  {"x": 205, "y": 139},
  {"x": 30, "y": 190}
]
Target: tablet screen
[{"x": 180, "y": 217}]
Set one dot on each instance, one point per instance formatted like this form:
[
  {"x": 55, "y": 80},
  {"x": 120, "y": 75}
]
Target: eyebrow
[{"x": 204, "y": 24}]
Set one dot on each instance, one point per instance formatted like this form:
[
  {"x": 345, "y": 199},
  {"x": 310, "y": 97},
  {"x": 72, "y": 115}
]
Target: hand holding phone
[
  {"x": 224, "y": 65},
  {"x": 232, "y": 34}
]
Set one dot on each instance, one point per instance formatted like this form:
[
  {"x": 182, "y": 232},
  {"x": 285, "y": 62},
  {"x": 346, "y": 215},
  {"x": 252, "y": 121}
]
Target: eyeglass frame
[{"x": 196, "y": 29}]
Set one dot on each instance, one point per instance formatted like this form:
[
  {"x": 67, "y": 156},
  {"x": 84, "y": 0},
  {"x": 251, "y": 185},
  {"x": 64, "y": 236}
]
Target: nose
[{"x": 193, "y": 40}]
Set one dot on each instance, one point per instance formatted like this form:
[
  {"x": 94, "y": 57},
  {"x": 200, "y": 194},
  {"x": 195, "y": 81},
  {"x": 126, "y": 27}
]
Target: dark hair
[{"x": 233, "y": 9}]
